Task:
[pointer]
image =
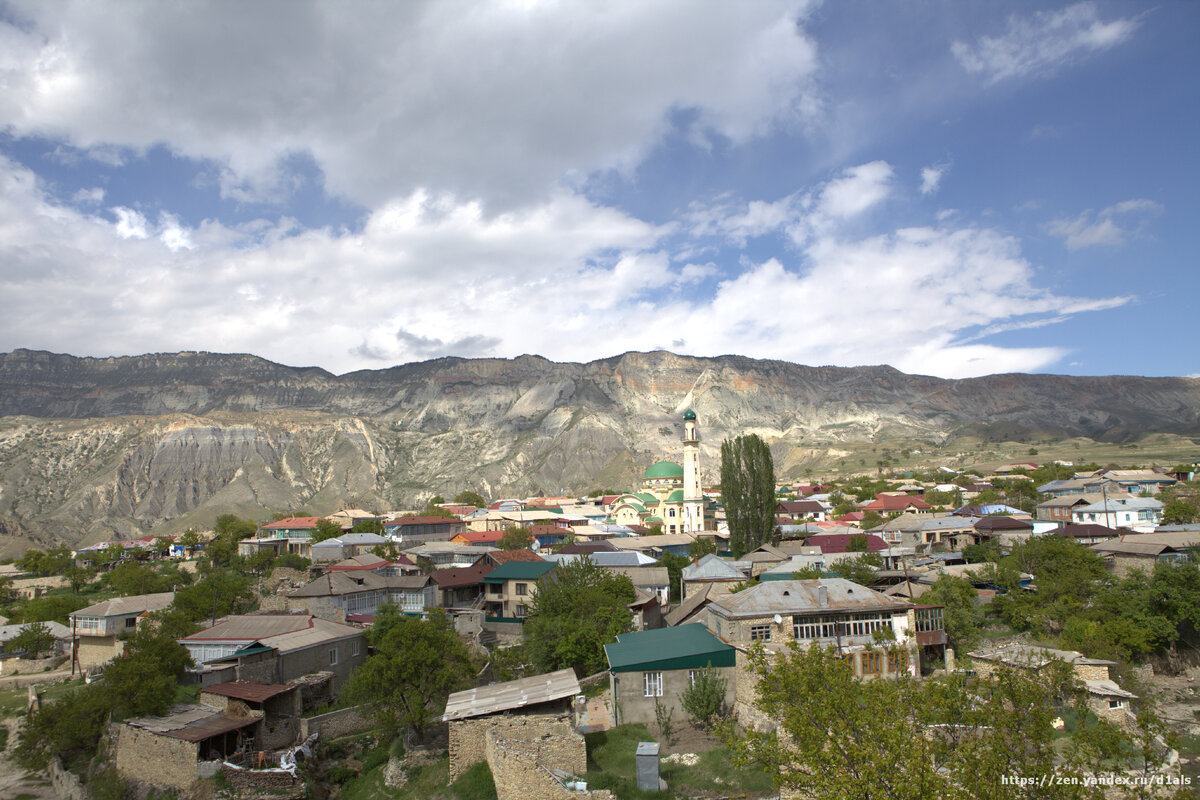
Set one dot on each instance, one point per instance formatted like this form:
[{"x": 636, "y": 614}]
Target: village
[{"x": 864, "y": 576}]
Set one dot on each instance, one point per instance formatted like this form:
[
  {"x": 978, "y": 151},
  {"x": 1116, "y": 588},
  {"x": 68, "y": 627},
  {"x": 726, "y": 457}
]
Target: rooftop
[
  {"x": 120, "y": 606},
  {"x": 511, "y": 695},
  {"x": 683, "y": 647},
  {"x": 803, "y": 597},
  {"x": 519, "y": 571}
]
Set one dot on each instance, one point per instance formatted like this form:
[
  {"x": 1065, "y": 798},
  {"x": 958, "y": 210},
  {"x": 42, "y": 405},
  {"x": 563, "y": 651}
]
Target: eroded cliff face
[{"x": 96, "y": 448}]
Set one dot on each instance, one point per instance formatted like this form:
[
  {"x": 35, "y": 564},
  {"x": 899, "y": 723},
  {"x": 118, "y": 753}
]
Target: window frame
[
  {"x": 652, "y": 684},
  {"x": 871, "y": 662},
  {"x": 757, "y": 630},
  {"x": 333, "y": 656}
]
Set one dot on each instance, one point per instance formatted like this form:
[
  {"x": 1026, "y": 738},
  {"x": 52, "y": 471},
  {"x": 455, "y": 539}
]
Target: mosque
[{"x": 671, "y": 495}]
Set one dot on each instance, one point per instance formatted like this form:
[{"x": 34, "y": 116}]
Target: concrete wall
[
  {"x": 631, "y": 704},
  {"x": 97, "y": 650},
  {"x": 316, "y": 659},
  {"x": 336, "y": 723},
  {"x": 550, "y": 739},
  {"x": 156, "y": 760}
]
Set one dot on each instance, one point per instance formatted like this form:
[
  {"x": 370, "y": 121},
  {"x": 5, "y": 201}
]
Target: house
[
  {"x": 1140, "y": 514},
  {"x": 655, "y": 667},
  {"x": 902, "y": 530},
  {"x": 1106, "y": 699},
  {"x": 646, "y": 609},
  {"x": 529, "y": 723},
  {"x": 400, "y": 565},
  {"x": 947, "y": 533},
  {"x": 478, "y": 537},
  {"x": 1058, "y": 509},
  {"x": 885, "y": 504},
  {"x": 1138, "y": 481},
  {"x": 1088, "y": 534},
  {"x": 345, "y": 546},
  {"x": 551, "y": 535},
  {"x": 833, "y": 612},
  {"x": 61, "y": 638},
  {"x": 657, "y": 546},
  {"x": 1005, "y": 530},
  {"x": 714, "y": 571},
  {"x": 291, "y": 535},
  {"x": 461, "y": 587},
  {"x": 414, "y": 530},
  {"x": 498, "y": 557},
  {"x": 510, "y": 588},
  {"x": 1142, "y": 551},
  {"x": 335, "y": 595},
  {"x": 448, "y": 554},
  {"x": 98, "y": 628},
  {"x": 840, "y": 542},
  {"x": 275, "y": 648},
  {"x": 795, "y": 510}
]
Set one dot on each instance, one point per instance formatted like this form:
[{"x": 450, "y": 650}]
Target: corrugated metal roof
[
  {"x": 511, "y": 695},
  {"x": 120, "y": 606},
  {"x": 248, "y": 690},
  {"x": 690, "y": 646},
  {"x": 249, "y": 627},
  {"x": 193, "y": 723},
  {"x": 802, "y": 597},
  {"x": 518, "y": 570},
  {"x": 712, "y": 568}
]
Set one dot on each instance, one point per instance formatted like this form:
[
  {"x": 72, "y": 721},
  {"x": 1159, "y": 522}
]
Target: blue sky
[{"x": 952, "y": 188}]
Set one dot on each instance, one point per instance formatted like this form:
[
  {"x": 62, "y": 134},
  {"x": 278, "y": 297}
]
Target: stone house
[
  {"x": 276, "y": 648},
  {"x": 716, "y": 572},
  {"x": 511, "y": 587},
  {"x": 460, "y": 587},
  {"x": 1106, "y": 699},
  {"x": 348, "y": 545},
  {"x": 655, "y": 667},
  {"x": 533, "y": 716},
  {"x": 98, "y": 628}
]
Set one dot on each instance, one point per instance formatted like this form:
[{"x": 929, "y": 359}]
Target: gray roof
[
  {"x": 713, "y": 568},
  {"x": 362, "y": 539},
  {"x": 57, "y": 630},
  {"x": 645, "y": 576},
  {"x": 802, "y": 597},
  {"x": 122, "y": 606},
  {"x": 510, "y": 695},
  {"x": 335, "y": 584},
  {"x": 691, "y": 604},
  {"x": 1123, "y": 504},
  {"x": 947, "y": 523},
  {"x": 282, "y": 631},
  {"x": 1025, "y": 655},
  {"x": 603, "y": 558}
]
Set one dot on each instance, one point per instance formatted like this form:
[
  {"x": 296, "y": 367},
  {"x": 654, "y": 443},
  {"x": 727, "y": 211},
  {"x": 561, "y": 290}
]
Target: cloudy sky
[{"x": 953, "y": 188}]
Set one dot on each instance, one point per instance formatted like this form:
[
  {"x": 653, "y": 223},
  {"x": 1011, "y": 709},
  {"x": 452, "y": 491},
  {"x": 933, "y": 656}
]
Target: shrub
[
  {"x": 340, "y": 774},
  {"x": 704, "y": 700}
]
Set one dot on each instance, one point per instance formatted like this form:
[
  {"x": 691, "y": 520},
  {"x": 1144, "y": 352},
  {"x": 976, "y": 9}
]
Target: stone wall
[
  {"x": 160, "y": 761},
  {"x": 316, "y": 659},
  {"x": 274, "y": 782},
  {"x": 97, "y": 650},
  {"x": 550, "y": 739},
  {"x": 336, "y": 723},
  {"x": 26, "y": 666},
  {"x": 66, "y": 785}
]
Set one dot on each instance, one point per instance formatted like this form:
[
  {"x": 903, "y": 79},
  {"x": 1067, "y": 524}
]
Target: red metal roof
[
  {"x": 482, "y": 537},
  {"x": 294, "y": 522},
  {"x": 501, "y": 556},
  {"x": 895, "y": 502},
  {"x": 430, "y": 520},
  {"x": 248, "y": 690}
]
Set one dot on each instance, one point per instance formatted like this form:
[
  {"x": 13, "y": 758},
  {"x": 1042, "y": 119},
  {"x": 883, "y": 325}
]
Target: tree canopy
[
  {"x": 579, "y": 607},
  {"x": 748, "y": 492},
  {"x": 836, "y": 736},
  {"x": 417, "y": 663},
  {"x": 515, "y": 538}
]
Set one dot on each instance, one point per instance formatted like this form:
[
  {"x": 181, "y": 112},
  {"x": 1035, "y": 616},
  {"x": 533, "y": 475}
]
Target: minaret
[{"x": 693, "y": 497}]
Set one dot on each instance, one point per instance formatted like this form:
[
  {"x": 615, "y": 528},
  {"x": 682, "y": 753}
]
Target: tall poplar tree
[{"x": 748, "y": 491}]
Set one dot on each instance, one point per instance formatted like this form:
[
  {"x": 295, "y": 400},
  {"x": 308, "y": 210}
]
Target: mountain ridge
[{"x": 102, "y": 447}]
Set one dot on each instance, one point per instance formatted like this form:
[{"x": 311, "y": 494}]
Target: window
[
  {"x": 652, "y": 684},
  {"x": 872, "y": 663},
  {"x": 848, "y": 660},
  {"x": 671, "y": 513},
  {"x": 760, "y": 633},
  {"x": 821, "y": 626},
  {"x": 898, "y": 661},
  {"x": 929, "y": 619},
  {"x": 522, "y": 589},
  {"x": 131, "y": 622},
  {"x": 332, "y": 656},
  {"x": 357, "y": 647},
  {"x": 1115, "y": 704},
  {"x": 691, "y": 677},
  {"x": 495, "y": 588},
  {"x": 521, "y": 610}
]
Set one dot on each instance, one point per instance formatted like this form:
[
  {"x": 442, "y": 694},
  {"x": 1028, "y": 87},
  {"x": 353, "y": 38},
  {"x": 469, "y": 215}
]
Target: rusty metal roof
[
  {"x": 510, "y": 695},
  {"x": 193, "y": 723},
  {"x": 248, "y": 690}
]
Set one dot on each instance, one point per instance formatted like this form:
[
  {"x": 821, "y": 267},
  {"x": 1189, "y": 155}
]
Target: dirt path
[{"x": 14, "y": 782}]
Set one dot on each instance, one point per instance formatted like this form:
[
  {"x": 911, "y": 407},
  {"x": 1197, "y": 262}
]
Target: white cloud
[
  {"x": 498, "y": 101},
  {"x": 931, "y": 178},
  {"x": 857, "y": 190},
  {"x": 1042, "y": 43},
  {"x": 433, "y": 275},
  {"x": 93, "y": 196},
  {"x": 1111, "y": 226}
]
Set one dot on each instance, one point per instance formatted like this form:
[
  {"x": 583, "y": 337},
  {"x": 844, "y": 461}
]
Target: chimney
[{"x": 823, "y": 596}]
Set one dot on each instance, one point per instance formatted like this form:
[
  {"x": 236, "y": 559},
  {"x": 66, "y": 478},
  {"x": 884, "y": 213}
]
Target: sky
[{"x": 952, "y": 188}]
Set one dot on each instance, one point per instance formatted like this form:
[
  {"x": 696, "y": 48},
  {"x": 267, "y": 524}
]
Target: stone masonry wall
[
  {"x": 66, "y": 785},
  {"x": 550, "y": 739},
  {"x": 336, "y": 723},
  {"x": 155, "y": 760},
  {"x": 519, "y": 775}
]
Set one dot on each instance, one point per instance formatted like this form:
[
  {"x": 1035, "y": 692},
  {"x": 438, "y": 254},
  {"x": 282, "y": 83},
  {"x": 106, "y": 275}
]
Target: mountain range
[{"x": 99, "y": 448}]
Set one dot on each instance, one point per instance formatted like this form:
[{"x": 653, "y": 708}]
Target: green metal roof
[
  {"x": 646, "y": 498},
  {"x": 654, "y": 519},
  {"x": 518, "y": 571},
  {"x": 689, "y": 414},
  {"x": 689, "y": 646},
  {"x": 664, "y": 469},
  {"x": 675, "y": 497}
]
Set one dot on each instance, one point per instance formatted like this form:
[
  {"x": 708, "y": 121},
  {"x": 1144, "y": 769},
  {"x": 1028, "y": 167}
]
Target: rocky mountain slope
[{"x": 92, "y": 448}]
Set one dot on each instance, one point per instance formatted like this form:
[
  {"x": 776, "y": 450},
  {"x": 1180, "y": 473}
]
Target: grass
[
  {"x": 611, "y": 766},
  {"x": 12, "y": 701},
  {"x": 426, "y": 782}
]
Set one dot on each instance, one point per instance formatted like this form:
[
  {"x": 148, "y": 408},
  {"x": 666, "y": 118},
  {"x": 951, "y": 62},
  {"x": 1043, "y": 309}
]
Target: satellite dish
[{"x": 778, "y": 620}]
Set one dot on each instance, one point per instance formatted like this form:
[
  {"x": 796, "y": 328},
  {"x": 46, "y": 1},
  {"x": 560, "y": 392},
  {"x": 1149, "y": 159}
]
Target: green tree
[
  {"x": 33, "y": 639},
  {"x": 858, "y": 543},
  {"x": 326, "y": 530},
  {"x": 871, "y": 520},
  {"x": 674, "y": 564},
  {"x": 218, "y": 593},
  {"x": 78, "y": 577},
  {"x": 469, "y": 498},
  {"x": 748, "y": 492},
  {"x": 579, "y": 607},
  {"x": 701, "y": 548},
  {"x": 1178, "y": 511},
  {"x": 515, "y": 538},
  {"x": 704, "y": 700},
  {"x": 861, "y": 569},
  {"x": 416, "y": 665},
  {"x": 48, "y": 608},
  {"x": 235, "y": 527},
  {"x": 961, "y": 615},
  {"x": 190, "y": 540},
  {"x": 955, "y": 736}
]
